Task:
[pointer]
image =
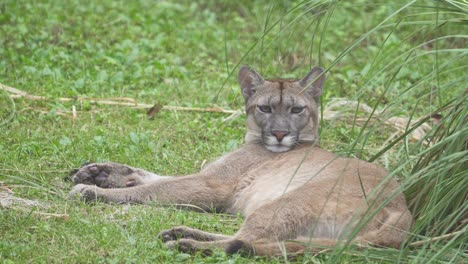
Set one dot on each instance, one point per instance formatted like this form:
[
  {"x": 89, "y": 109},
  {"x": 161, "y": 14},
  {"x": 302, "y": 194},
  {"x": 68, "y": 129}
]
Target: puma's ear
[
  {"x": 313, "y": 82},
  {"x": 248, "y": 80}
]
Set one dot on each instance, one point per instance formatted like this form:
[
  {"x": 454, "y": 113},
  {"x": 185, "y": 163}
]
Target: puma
[{"x": 294, "y": 195}]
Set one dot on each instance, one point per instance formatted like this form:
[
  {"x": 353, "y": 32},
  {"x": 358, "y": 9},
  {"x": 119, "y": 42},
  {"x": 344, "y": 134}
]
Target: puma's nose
[{"x": 279, "y": 134}]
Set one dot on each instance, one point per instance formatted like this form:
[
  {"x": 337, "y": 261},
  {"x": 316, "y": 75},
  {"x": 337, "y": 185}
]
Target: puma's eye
[
  {"x": 297, "y": 110},
  {"x": 264, "y": 108}
]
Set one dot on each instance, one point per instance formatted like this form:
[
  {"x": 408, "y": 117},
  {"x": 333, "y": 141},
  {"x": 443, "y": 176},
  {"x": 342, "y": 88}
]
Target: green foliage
[
  {"x": 400, "y": 58},
  {"x": 437, "y": 182}
]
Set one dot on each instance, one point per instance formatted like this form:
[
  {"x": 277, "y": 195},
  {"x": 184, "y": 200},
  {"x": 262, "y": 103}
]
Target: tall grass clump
[
  {"x": 437, "y": 186},
  {"x": 433, "y": 170}
]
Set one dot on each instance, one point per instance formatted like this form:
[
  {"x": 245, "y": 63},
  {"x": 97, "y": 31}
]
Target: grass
[{"x": 404, "y": 58}]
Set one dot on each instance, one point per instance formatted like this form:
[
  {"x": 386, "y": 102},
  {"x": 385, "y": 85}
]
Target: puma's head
[{"x": 281, "y": 112}]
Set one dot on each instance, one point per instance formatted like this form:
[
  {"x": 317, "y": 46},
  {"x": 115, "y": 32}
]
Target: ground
[{"x": 401, "y": 59}]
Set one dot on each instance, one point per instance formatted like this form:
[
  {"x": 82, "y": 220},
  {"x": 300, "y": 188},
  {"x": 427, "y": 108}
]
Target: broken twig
[{"x": 16, "y": 93}]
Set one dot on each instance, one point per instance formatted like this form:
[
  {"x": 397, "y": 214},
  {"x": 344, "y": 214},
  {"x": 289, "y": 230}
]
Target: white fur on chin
[
  {"x": 272, "y": 144},
  {"x": 277, "y": 148}
]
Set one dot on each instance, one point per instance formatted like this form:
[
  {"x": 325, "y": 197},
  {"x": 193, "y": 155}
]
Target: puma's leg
[
  {"x": 267, "y": 232},
  {"x": 233, "y": 246},
  {"x": 392, "y": 231},
  {"x": 260, "y": 236},
  {"x": 281, "y": 227},
  {"x": 262, "y": 233},
  {"x": 203, "y": 191},
  {"x": 113, "y": 175}
]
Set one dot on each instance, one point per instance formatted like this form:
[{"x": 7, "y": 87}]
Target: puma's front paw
[
  {"x": 84, "y": 192},
  {"x": 107, "y": 175}
]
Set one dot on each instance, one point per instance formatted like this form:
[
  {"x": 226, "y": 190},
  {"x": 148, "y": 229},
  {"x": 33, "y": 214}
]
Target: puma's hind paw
[
  {"x": 84, "y": 192},
  {"x": 174, "y": 233},
  {"x": 167, "y": 235}
]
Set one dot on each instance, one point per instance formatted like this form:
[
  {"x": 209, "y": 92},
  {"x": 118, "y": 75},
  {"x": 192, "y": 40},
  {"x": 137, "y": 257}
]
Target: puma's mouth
[
  {"x": 273, "y": 145},
  {"x": 277, "y": 148}
]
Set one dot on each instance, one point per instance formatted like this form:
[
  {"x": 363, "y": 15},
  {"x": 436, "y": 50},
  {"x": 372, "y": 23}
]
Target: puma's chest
[{"x": 270, "y": 181}]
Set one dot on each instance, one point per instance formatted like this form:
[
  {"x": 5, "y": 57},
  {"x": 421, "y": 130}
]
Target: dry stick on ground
[
  {"x": 432, "y": 239},
  {"x": 50, "y": 215},
  {"x": 16, "y": 93}
]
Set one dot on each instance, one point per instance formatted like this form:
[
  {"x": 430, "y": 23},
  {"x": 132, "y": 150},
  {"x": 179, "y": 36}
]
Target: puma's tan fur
[{"x": 294, "y": 195}]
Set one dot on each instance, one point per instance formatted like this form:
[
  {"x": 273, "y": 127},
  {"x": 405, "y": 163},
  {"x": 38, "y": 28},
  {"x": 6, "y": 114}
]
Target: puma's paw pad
[
  {"x": 105, "y": 175},
  {"x": 90, "y": 174}
]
